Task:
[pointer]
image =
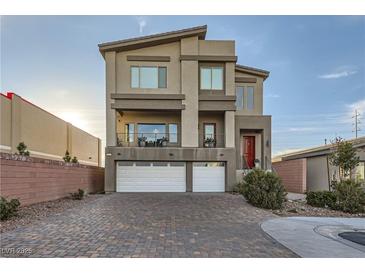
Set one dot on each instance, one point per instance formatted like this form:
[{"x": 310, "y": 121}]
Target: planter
[{"x": 142, "y": 143}]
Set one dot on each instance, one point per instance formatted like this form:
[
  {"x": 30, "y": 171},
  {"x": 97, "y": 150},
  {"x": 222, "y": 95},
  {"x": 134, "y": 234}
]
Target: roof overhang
[
  {"x": 153, "y": 40},
  {"x": 253, "y": 71}
]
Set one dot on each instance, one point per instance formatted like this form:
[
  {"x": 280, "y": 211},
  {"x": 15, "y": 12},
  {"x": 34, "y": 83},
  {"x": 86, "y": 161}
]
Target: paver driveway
[{"x": 150, "y": 225}]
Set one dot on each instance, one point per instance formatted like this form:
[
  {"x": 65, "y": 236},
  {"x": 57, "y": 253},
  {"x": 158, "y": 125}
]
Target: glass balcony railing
[{"x": 147, "y": 139}]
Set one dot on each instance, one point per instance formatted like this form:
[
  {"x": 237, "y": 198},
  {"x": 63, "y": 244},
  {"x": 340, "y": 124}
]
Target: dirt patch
[
  {"x": 34, "y": 213},
  {"x": 301, "y": 208}
]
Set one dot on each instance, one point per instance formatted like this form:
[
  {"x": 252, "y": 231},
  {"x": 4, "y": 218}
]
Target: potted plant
[
  {"x": 257, "y": 163},
  {"x": 209, "y": 142},
  {"x": 142, "y": 141},
  {"x": 163, "y": 141}
]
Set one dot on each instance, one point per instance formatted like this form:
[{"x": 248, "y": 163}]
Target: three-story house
[{"x": 181, "y": 114}]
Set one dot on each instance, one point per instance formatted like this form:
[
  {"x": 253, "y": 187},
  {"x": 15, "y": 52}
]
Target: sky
[{"x": 316, "y": 64}]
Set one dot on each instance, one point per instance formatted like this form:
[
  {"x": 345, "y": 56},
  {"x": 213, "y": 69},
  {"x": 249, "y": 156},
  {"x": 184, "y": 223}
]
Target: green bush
[
  {"x": 8, "y": 209},
  {"x": 22, "y": 149},
  {"x": 321, "y": 199},
  {"x": 350, "y": 196},
  {"x": 74, "y": 160},
  {"x": 67, "y": 157},
  {"x": 263, "y": 189},
  {"x": 79, "y": 195}
]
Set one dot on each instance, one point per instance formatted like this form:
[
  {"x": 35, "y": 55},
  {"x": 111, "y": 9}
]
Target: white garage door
[
  {"x": 209, "y": 177},
  {"x": 151, "y": 177}
]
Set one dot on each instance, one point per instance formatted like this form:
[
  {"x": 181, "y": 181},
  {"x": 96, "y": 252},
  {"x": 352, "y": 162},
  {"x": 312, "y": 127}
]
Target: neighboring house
[
  {"x": 45, "y": 135},
  {"x": 181, "y": 115},
  {"x": 310, "y": 169}
]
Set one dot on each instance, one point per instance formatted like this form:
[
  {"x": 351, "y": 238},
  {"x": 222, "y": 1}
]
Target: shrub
[
  {"x": 350, "y": 196},
  {"x": 8, "y": 209},
  {"x": 74, "y": 160},
  {"x": 321, "y": 198},
  {"x": 22, "y": 149},
  {"x": 263, "y": 189},
  {"x": 67, "y": 157},
  {"x": 79, "y": 195}
]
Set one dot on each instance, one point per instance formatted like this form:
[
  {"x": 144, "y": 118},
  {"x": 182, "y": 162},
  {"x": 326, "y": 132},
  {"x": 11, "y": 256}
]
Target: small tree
[
  {"x": 22, "y": 149},
  {"x": 67, "y": 157},
  {"x": 344, "y": 157},
  {"x": 74, "y": 160}
]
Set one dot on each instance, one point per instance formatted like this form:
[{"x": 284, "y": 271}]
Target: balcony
[
  {"x": 158, "y": 140},
  {"x": 211, "y": 140}
]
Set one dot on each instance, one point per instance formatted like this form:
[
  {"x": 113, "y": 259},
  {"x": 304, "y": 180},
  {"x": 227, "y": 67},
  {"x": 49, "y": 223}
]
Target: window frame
[
  {"x": 215, "y": 130},
  {"x": 243, "y": 98},
  {"x": 139, "y": 76},
  {"x": 253, "y": 98},
  {"x": 177, "y": 132},
  {"x": 127, "y": 132},
  {"x": 211, "y": 66}
]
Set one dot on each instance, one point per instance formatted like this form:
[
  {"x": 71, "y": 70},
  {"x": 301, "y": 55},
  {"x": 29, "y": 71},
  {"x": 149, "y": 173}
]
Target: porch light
[{"x": 267, "y": 143}]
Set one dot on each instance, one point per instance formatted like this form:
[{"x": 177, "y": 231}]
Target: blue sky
[{"x": 317, "y": 66}]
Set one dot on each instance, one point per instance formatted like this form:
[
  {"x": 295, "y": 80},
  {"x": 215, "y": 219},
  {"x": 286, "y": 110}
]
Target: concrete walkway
[{"x": 316, "y": 237}]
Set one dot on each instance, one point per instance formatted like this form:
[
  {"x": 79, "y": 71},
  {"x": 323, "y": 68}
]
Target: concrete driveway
[{"x": 149, "y": 225}]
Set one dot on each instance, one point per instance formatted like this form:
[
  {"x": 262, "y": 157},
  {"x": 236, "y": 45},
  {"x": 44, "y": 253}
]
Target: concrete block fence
[
  {"x": 33, "y": 180},
  {"x": 293, "y": 174}
]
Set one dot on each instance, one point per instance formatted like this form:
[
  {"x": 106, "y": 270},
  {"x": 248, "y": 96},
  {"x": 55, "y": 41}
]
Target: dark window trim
[{"x": 215, "y": 130}]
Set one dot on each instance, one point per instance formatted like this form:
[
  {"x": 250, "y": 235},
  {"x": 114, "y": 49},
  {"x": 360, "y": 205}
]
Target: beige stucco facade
[
  {"x": 183, "y": 101},
  {"x": 45, "y": 135}
]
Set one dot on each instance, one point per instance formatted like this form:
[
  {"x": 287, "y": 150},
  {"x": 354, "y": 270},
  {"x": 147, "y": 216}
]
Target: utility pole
[{"x": 357, "y": 122}]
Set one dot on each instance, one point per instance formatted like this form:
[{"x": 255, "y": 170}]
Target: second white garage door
[
  {"x": 151, "y": 177},
  {"x": 209, "y": 177}
]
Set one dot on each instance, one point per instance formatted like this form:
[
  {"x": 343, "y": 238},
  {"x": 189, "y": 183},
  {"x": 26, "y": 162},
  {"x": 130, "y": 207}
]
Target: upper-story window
[
  {"x": 148, "y": 77},
  {"x": 211, "y": 78},
  {"x": 245, "y": 98}
]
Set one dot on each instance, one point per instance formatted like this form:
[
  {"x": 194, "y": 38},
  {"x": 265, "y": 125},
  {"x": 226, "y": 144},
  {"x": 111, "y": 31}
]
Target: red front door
[{"x": 249, "y": 151}]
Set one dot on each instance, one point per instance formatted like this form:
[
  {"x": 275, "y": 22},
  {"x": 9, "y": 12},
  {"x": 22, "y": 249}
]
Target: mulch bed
[
  {"x": 301, "y": 208},
  {"x": 36, "y": 212}
]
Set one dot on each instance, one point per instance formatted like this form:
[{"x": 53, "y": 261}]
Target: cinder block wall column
[
  {"x": 190, "y": 87},
  {"x": 16, "y": 112}
]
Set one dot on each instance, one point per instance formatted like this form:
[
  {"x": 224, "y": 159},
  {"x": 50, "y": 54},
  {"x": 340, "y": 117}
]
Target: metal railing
[
  {"x": 147, "y": 139},
  {"x": 212, "y": 140}
]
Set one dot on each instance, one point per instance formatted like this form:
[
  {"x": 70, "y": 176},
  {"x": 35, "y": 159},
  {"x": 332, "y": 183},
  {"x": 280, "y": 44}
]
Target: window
[
  {"x": 148, "y": 77},
  {"x": 250, "y": 98},
  {"x": 211, "y": 78},
  {"x": 152, "y": 132},
  {"x": 173, "y": 133},
  {"x": 209, "y": 131},
  {"x": 129, "y": 133},
  {"x": 239, "y": 98}
]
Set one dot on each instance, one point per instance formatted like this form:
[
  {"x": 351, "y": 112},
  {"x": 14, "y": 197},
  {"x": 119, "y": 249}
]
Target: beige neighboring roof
[
  {"x": 318, "y": 151},
  {"x": 153, "y": 40},
  {"x": 253, "y": 71}
]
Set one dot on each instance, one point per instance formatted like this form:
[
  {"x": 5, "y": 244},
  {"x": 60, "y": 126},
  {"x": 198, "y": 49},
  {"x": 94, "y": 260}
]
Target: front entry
[{"x": 248, "y": 153}]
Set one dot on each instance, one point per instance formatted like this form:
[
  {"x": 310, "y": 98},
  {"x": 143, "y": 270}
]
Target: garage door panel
[
  {"x": 209, "y": 177},
  {"x": 147, "y": 178}
]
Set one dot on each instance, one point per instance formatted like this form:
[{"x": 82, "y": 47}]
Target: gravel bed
[
  {"x": 301, "y": 208},
  {"x": 33, "y": 213}
]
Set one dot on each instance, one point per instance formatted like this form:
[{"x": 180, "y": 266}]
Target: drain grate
[{"x": 356, "y": 237}]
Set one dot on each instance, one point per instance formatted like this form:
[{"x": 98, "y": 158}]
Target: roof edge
[
  {"x": 199, "y": 31},
  {"x": 253, "y": 71}
]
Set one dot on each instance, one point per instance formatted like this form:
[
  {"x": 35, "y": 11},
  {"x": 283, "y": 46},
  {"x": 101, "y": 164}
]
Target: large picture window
[
  {"x": 211, "y": 78},
  {"x": 148, "y": 77}
]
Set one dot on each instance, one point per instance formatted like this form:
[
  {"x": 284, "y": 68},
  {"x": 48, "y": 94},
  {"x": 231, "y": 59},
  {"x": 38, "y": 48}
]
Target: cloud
[
  {"x": 358, "y": 105},
  {"x": 339, "y": 73},
  {"x": 141, "y": 24},
  {"x": 272, "y": 95},
  {"x": 301, "y": 129}
]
